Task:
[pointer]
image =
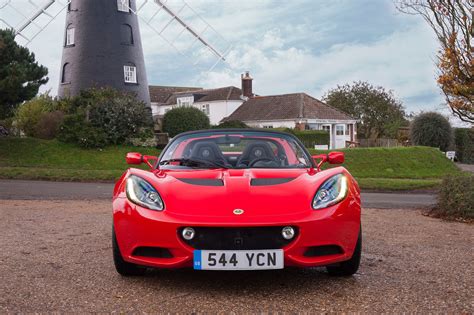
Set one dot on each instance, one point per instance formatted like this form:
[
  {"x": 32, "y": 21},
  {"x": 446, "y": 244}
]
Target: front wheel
[
  {"x": 348, "y": 267},
  {"x": 124, "y": 268}
]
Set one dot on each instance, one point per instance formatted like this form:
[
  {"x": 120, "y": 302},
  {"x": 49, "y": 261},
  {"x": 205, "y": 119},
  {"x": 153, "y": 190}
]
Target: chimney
[{"x": 247, "y": 85}]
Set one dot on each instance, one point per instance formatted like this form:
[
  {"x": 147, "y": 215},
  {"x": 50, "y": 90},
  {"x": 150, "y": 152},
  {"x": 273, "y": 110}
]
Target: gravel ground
[{"x": 56, "y": 257}]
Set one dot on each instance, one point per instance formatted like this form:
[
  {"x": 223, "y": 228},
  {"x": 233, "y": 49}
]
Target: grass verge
[{"x": 374, "y": 168}]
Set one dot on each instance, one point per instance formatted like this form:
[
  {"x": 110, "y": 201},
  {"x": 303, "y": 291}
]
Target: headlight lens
[
  {"x": 332, "y": 191},
  {"x": 142, "y": 193}
]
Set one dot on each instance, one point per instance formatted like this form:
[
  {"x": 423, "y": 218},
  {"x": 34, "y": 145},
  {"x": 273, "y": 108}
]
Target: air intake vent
[
  {"x": 202, "y": 181},
  {"x": 155, "y": 252},
  {"x": 325, "y": 250},
  {"x": 270, "y": 181}
]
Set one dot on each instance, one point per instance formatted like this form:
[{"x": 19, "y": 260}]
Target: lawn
[
  {"x": 399, "y": 168},
  {"x": 29, "y": 158},
  {"x": 374, "y": 168}
]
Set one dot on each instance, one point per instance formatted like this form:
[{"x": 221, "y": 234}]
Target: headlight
[
  {"x": 142, "y": 193},
  {"x": 332, "y": 191}
]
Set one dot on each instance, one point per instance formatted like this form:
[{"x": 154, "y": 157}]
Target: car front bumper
[{"x": 324, "y": 237}]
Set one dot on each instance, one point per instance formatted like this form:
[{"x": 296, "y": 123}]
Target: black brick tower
[{"x": 103, "y": 48}]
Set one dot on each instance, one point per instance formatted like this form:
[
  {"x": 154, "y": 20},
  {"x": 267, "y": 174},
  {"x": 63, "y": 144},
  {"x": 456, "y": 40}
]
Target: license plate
[{"x": 238, "y": 259}]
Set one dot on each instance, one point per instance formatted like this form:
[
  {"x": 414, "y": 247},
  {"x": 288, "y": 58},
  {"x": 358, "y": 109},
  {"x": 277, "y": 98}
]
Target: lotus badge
[{"x": 238, "y": 211}]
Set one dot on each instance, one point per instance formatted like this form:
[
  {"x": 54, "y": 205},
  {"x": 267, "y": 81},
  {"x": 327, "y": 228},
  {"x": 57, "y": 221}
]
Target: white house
[
  {"x": 300, "y": 111},
  {"x": 297, "y": 110},
  {"x": 215, "y": 103}
]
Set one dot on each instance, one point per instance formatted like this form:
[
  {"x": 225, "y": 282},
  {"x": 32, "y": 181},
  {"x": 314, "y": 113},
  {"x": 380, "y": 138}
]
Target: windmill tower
[
  {"x": 102, "y": 48},
  {"x": 102, "y": 43}
]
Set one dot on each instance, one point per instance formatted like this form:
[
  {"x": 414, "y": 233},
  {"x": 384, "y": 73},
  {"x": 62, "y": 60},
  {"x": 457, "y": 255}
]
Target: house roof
[
  {"x": 161, "y": 94},
  {"x": 286, "y": 106},
  {"x": 208, "y": 95}
]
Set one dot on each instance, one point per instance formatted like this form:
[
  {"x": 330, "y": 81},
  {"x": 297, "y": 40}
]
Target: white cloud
[{"x": 401, "y": 61}]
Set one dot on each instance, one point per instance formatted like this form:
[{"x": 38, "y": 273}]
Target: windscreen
[{"x": 236, "y": 150}]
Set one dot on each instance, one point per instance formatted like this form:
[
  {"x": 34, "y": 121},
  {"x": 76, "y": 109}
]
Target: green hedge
[
  {"x": 310, "y": 138},
  {"x": 464, "y": 140},
  {"x": 456, "y": 197}
]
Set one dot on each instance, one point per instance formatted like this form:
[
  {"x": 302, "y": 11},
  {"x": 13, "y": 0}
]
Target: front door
[{"x": 340, "y": 137}]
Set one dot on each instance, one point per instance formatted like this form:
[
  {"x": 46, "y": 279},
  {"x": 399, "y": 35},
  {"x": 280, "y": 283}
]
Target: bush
[
  {"x": 464, "y": 141},
  {"x": 48, "y": 125},
  {"x": 75, "y": 129},
  {"x": 99, "y": 117},
  {"x": 29, "y": 113},
  {"x": 232, "y": 124},
  {"x": 120, "y": 115},
  {"x": 145, "y": 138},
  {"x": 182, "y": 119},
  {"x": 456, "y": 198},
  {"x": 433, "y": 130},
  {"x": 310, "y": 138}
]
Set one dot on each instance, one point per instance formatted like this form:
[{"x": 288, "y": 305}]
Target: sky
[{"x": 308, "y": 46}]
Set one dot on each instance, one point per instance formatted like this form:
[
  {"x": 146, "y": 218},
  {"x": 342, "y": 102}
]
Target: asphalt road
[
  {"x": 56, "y": 257},
  {"x": 45, "y": 190}
]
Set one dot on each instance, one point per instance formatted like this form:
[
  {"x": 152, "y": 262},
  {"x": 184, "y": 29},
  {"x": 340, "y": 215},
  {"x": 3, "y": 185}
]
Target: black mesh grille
[{"x": 242, "y": 238}]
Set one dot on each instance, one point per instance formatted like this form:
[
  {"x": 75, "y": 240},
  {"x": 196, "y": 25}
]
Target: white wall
[{"x": 218, "y": 110}]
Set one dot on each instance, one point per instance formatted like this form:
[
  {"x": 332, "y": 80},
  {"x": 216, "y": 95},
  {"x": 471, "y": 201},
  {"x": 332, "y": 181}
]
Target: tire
[
  {"x": 124, "y": 268},
  {"x": 349, "y": 267}
]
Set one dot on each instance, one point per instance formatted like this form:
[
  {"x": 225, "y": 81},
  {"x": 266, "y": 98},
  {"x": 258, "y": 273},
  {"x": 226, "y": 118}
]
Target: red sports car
[{"x": 236, "y": 199}]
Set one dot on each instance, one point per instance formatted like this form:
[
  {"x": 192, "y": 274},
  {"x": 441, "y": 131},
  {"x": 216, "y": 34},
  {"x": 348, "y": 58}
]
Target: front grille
[{"x": 242, "y": 238}]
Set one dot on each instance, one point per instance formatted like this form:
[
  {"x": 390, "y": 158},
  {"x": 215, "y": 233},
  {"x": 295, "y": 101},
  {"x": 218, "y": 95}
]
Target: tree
[
  {"x": 378, "y": 112},
  {"x": 433, "y": 130},
  {"x": 183, "y": 119},
  {"x": 20, "y": 75},
  {"x": 452, "y": 22}
]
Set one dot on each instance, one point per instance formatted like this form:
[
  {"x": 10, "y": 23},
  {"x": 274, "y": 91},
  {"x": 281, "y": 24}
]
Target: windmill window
[
  {"x": 66, "y": 75},
  {"x": 123, "y": 5},
  {"x": 70, "y": 32},
  {"x": 130, "y": 74},
  {"x": 126, "y": 33}
]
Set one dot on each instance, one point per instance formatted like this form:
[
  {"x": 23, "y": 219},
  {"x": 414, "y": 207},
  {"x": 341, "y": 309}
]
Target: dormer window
[{"x": 185, "y": 101}]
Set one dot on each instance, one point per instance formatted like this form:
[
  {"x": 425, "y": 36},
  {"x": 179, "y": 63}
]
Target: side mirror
[
  {"x": 135, "y": 158},
  {"x": 336, "y": 157},
  {"x": 331, "y": 158}
]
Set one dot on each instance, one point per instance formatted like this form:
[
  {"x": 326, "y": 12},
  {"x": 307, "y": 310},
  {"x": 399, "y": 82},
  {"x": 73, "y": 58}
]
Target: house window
[
  {"x": 326, "y": 128},
  {"x": 123, "y": 5},
  {"x": 339, "y": 130},
  {"x": 130, "y": 74},
  {"x": 205, "y": 109},
  {"x": 185, "y": 101},
  {"x": 268, "y": 126},
  {"x": 70, "y": 31},
  {"x": 126, "y": 34},
  {"x": 348, "y": 129},
  {"x": 65, "y": 75}
]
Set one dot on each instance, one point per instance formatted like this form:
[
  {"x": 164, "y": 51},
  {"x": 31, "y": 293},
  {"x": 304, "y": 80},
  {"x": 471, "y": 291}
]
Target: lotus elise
[{"x": 236, "y": 199}]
